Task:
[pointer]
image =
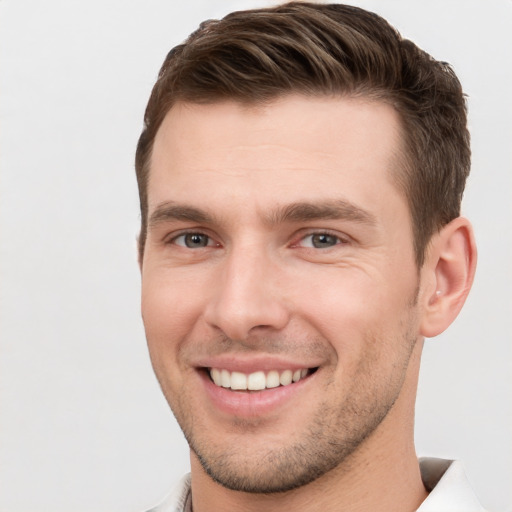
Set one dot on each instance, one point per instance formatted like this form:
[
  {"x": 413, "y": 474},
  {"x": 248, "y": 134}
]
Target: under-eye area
[{"x": 257, "y": 381}]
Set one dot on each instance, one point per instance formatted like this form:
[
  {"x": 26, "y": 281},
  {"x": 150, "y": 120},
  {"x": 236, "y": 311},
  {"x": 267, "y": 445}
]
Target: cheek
[
  {"x": 169, "y": 301},
  {"x": 168, "y": 314},
  {"x": 342, "y": 296},
  {"x": 356, "y": 311},
  {"x": 165, "y": 323}
]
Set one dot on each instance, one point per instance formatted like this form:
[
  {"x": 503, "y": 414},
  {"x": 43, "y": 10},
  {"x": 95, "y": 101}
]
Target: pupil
[
  {"x": 323, "y": 240},
  {"x": 196, "y": 240}
]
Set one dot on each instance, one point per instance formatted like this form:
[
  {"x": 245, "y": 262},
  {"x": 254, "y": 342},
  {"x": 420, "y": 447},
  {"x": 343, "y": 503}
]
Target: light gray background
[{"x": 83, "y": 424}]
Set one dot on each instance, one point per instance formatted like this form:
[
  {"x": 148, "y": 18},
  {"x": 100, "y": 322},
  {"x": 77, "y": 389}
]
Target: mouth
[
  {"x": 259, "y": 380},
  {"x": 256, "y": 388}
]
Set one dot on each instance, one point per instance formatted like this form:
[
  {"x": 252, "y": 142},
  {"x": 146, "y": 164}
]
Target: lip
[
  {"x": 253, "y": 364},
  {"x": 252, "y": 404}
]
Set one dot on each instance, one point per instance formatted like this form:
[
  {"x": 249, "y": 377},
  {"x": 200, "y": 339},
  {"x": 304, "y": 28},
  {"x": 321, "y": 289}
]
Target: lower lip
[{"x": 250, "y": 404}]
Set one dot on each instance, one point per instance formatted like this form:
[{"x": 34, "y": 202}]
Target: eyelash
[
  {"x": 338, "y": 239},
  {"x": 187, "y": 233}
]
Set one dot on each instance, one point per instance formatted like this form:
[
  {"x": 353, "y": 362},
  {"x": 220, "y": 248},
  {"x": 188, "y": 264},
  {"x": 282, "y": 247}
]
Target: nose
[{"x": 248, "y": 296}]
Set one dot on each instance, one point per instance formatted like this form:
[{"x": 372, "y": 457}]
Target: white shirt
[{"x": 449, "y": 490}]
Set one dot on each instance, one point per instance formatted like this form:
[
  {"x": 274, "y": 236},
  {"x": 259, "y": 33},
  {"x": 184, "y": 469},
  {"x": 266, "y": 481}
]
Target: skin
[{"x": 237, "y": 272}]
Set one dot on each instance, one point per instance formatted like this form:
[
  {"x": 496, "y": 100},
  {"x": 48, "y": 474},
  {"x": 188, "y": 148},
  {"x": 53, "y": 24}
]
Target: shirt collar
[{"x": 448, "y": 486}]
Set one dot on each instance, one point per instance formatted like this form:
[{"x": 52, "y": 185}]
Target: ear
[{"x": 448, "y": 274}]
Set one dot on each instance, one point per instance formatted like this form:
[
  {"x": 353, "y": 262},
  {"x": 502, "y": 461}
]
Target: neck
[{"x": 382, "y": 474}]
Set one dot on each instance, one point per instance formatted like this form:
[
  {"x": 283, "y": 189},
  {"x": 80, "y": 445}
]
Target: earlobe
[{"x": 450, "y": 269}]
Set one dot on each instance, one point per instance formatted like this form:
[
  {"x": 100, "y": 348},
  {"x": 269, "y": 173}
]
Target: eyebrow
[
  {"x": 339, "y": 209},
  {"x": 169, "y": 211}
]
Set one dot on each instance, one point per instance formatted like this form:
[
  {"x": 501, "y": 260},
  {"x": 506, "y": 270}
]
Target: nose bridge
[{"x": 246, "y": 294}]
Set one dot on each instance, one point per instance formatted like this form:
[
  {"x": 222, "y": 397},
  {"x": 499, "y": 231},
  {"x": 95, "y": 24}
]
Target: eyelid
[
  {"x": 342, "y": 238},
  {"x": 172, "y": 237}
]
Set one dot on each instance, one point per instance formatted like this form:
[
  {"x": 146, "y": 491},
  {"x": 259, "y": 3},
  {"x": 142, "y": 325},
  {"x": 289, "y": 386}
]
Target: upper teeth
[{"x": 257, "y": 380}]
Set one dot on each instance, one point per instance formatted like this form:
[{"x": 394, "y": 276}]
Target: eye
[
  {"x": 193, "y": 240},
  {"x": 320, "y": 241}
]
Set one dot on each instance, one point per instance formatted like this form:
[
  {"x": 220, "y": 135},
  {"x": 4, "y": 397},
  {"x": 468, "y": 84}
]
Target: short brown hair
[{"x": 313, "y": 49}]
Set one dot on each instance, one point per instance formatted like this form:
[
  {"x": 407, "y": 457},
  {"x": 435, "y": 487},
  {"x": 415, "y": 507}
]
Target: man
[{"x": 300, "y": 172}]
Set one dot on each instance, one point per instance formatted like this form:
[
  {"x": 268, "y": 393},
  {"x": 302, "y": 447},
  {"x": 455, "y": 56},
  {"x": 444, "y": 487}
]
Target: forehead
[{"x": 294, "y": 148}]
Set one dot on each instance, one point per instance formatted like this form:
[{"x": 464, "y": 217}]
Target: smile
[{"x": 256, "y": 381}]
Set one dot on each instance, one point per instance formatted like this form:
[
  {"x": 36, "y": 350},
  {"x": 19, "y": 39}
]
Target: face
[{"x": 279, "y": 284}]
